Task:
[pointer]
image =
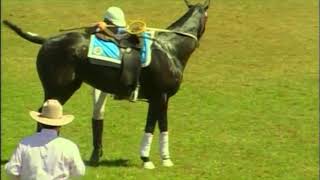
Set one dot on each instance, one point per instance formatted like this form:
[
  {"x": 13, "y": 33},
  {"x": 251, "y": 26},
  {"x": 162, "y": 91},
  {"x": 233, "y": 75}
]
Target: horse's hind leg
[
  {"x": 99, "y": 101},
  {"x": 58, "y": 91}
]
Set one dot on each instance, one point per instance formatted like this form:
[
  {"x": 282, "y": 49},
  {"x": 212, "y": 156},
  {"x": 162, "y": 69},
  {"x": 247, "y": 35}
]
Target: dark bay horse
[{"x": 62, "y": 66}]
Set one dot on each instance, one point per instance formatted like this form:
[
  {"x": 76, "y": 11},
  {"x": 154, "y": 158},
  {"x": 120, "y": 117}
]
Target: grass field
[{"x": 247, "y": 109}]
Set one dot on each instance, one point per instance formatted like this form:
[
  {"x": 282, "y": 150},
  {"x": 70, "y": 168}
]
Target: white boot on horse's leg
[
  {"x": 164, "y": 149},
  {"x": 167, "y": 163},
  {"x": 148, "y": 165},
  {"x": 145, "y": 150}
]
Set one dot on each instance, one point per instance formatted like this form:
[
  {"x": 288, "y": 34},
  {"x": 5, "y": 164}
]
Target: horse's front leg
[
  {"x": 148, "y": 134},
  {"x": 164, "y": 134},
  {"x": 158, "y": 107},
  {"x": 99, "y": 100}
]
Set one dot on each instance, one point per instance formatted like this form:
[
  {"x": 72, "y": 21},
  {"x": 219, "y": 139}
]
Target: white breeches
[{"x": 99, "y": 101}]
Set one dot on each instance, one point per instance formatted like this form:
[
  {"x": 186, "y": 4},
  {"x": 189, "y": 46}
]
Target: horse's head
[{"x": 200, "y": 14}]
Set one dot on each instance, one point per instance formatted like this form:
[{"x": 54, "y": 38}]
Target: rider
[
  {"x": 114, "y": 25},
  {"x": 113, "y": 16}
]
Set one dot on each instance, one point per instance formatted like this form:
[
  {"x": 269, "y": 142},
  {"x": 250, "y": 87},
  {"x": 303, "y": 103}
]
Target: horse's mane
[{"x": 181, "y": 22}]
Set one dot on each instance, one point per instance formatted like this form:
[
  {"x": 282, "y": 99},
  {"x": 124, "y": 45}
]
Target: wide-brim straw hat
[
  {"x": 51, "y": 114},
  {"x": 116, "y": 16}
]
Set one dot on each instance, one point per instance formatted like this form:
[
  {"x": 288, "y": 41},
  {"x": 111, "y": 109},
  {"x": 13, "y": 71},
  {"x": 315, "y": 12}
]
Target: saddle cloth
[{"x": 107, "y": 51}]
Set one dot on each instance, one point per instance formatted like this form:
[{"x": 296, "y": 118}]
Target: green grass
[{"x": 247, "y": 109}]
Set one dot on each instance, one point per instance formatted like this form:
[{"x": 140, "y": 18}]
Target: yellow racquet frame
[{"x": 136, "y": 27}]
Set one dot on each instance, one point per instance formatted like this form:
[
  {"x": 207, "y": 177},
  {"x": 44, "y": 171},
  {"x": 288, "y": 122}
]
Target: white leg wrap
[
  {"x": 99, "y": 101},
  {"x": 164, "y": 149},
  {"x": 146, "y": 145},
  {"x": 164, "y": 145}
]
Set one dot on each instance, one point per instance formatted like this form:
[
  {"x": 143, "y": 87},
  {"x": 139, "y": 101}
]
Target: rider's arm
[{"x": 97, "y": 27}]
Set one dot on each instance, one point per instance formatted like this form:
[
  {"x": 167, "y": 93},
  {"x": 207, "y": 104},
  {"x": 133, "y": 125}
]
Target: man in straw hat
[{"x": 45, "y": 155}]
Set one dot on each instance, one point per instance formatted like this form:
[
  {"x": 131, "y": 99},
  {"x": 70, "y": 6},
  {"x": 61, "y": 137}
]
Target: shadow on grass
[
  {"x": 4, "y": 161},
  {"x": 111, "y": 163}
]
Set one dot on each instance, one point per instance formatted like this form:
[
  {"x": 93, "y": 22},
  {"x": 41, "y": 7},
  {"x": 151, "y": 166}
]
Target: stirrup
[{"x": 134, "y": 94}]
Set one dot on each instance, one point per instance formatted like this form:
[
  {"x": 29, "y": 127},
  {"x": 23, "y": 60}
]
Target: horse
[{"x": 62, "y": 66}]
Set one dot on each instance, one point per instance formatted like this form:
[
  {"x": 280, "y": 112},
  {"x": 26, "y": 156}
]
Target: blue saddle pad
[
  {"x": 104, "y": 50},
  {"x": 108, "y": 51},
  {"x": 147, "y": 39}
]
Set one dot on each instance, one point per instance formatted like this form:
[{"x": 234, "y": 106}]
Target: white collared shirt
[{"x": 45, "y": 156}]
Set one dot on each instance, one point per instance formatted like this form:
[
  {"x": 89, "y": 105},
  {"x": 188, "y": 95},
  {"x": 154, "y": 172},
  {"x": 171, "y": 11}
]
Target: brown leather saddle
[{"x": 122, "y": 40}]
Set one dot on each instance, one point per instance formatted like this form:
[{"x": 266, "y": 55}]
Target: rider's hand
[{"x": 101, "y": 25}]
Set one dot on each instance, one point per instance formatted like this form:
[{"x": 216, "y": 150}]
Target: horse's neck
[
  {"x": 188, "y": 23},
  {"x": 178, "y": 46},
  {"x": 183, "y": 46}
]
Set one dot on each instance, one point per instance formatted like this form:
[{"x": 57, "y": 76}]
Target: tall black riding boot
[{"x": 97, "y": 130}]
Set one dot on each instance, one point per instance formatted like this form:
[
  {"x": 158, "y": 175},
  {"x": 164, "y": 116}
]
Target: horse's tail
[{"x": 25, "y": 35}]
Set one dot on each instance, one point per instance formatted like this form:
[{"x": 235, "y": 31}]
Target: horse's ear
[
  {"x": 187, "y": 3},
  {"x": 206, "y": 4}
]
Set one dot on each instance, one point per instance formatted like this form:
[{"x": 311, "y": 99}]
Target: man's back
[{"x": 45, "y": 155}]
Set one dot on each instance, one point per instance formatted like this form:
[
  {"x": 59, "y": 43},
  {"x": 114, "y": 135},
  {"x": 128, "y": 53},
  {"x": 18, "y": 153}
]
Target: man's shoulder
[
  {"x": 69, "y": 147},
  {"x": 66, "y": 142},
  {"x": 29, "y": 139}
]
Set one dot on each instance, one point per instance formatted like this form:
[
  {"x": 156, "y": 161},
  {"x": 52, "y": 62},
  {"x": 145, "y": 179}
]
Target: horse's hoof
[
  {"x": 95, "y": 157},
  {"x": 167, "y": 163},
  {"x": 148, "y": 165}
]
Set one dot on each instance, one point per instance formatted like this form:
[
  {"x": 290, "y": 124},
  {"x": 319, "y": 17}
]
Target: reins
[
  {"x": 177, "y": 32},
  {"x": 137, "y": 27}
]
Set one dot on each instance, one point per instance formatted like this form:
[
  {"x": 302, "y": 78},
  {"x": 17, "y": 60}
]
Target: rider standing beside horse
[
  {"x": 114, "y": 16},
  {"x": 113, "y": 28}
]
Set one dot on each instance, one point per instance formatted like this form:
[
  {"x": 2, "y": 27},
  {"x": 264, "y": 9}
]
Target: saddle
[
  {"x": 122, "y": 40},
  {"x": 129, "y": 57}
]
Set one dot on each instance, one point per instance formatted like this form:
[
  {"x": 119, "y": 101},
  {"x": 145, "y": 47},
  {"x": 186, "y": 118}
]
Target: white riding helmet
[{"x": 116, "y": 16}]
